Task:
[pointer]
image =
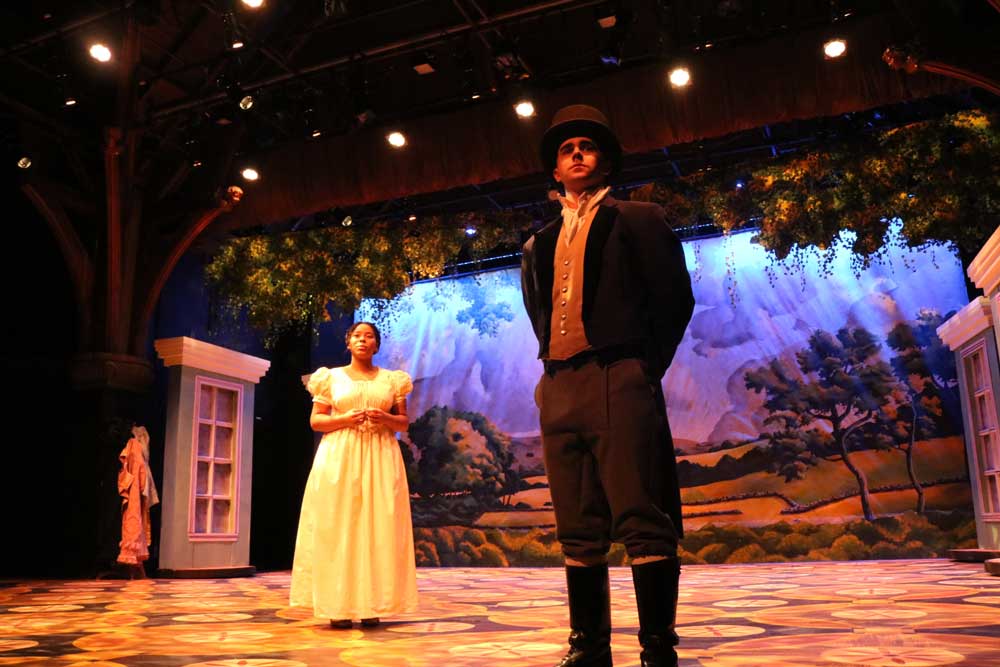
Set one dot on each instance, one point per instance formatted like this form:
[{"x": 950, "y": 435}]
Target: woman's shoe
[
  {"x": 341, "y": 624},
  {"x": 369, "y": 622}
]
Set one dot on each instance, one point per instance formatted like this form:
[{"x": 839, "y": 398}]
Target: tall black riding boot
[
  {"x": 589, "y": 617},
  {"x": 656, "y": 599}
]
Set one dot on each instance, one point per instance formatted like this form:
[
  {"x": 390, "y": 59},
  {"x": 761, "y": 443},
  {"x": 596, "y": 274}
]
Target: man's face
[{"x": 580, "y": 164}]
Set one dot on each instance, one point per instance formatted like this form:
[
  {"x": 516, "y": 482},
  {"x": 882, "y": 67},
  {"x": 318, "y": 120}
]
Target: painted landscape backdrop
[{"x": 815, "y": 412}]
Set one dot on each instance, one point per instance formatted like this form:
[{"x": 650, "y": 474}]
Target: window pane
[
  {"x": 223, "y": 442},
  {"x": 225, "y": 407},
  {"x": 985, "y": 411},
  {"x": 992, "y": 493},
  {"x": 204, "y": 439},
  {"x": 221, "y": 516},
  {"x": 989, "y": 452},
  {"x": 201, "y": 515},
  {"x": 201, "y": 478},
  {"x": 205, "y": 401},
  {"x": 980, "y": 361},
  {"x": 222, "y": 474}
]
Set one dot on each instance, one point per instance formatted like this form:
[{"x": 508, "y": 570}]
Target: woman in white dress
[{"x": 354, "y": 550}]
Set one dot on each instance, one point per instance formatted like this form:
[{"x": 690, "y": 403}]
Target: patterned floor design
[{"x": 916, "y": 613}]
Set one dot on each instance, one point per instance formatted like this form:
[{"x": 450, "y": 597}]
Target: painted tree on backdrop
[
  {"x": 841, "y": 385},
  {"x": 928, "y": 405},
  {"x": 463, "y": 452}
]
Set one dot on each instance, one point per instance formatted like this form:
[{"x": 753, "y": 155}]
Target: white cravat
[{"x": 573, "y": 216}]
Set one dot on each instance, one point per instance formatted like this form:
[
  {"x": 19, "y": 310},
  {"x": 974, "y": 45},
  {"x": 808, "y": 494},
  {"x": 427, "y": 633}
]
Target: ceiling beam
[
  {"x": 70, "y": 27},
  {"x": 386, "y": 50}
]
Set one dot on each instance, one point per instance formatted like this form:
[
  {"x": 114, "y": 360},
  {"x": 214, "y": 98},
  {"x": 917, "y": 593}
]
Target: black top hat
[{"x": 580, "y": 120}]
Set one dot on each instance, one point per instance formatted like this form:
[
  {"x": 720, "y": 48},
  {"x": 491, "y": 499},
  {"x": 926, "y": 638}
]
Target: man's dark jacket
[
  {"x": 636, "y": 291},
  {"x": 636, "y": 287}
]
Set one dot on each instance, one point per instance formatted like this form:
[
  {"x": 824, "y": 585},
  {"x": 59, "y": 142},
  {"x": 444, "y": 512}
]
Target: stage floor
[{"x": 915, "y": 613}]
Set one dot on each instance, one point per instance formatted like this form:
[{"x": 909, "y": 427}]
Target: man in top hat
[{"x": 609, "y": 297}]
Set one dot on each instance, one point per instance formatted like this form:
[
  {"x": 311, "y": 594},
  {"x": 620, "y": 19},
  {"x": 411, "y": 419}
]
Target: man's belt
[{"x": 603, "y": 357}]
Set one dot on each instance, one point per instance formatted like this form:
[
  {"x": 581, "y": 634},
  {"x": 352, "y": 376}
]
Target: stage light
[
  {"x": 250, "y": 174},
  {"x": 67, "y": 88},
  {"x": 466, "y": 62},
  {"x": 740, "y": 185},
  {"x": 610, "y": 58},
  {"x": 396, "y": 139},
  {"x": 232, "y": 32},
  {"x": 412, "y": 217},
  {"x": 246, "y": 102},
  {"x": 680, "y": 77},
  {"x": 313, "y": 128},
  {"x": 24, "y": 162},
  {"x": 471, "y": 231},
  {"x": 834, "y": 48},
  {"x": 100, "y": 52},
  {"x": 613, "y": 45},
  {"x": 606, "y": 16},
  {"x": 196, "y": 164},
  {"x": 253, "y": 4},
  {"x": 423, "y": 63},
  {"x": 524, "y": 109},
  {"x": 347, "y": 221}
]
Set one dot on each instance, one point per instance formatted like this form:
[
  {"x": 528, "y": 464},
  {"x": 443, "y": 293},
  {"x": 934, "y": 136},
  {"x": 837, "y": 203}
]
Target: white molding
[
  {"x": 984, "y": 270},
  {"x": 967, "y": 323},
  {"x": 184, "y": 351}
]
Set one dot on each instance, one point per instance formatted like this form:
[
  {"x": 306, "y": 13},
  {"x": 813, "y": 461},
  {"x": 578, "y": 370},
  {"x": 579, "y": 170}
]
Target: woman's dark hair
[{"x": 378, "y": 336}]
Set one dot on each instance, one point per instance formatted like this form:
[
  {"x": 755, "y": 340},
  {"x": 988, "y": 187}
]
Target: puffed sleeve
[
  {"x": 401, "y": 384},
  {"x": 319, "y": 386}
]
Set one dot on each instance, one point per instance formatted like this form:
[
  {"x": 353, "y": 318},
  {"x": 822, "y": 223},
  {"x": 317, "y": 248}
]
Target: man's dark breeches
[{"x": 605, "y": 438}]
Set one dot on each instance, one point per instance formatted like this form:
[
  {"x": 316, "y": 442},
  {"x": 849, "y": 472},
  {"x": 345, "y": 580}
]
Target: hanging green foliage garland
[
  {"x": 941, "y": 177},
  {"x": 287, "y": 280}
]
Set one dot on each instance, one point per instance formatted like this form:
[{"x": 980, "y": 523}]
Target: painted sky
[{"x": 468, "y": 344}]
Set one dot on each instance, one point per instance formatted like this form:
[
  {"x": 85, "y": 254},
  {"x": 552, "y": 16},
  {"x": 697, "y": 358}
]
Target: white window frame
[
  {"x": 234, "y": 461},
  {"x": 992, "y": 476}
]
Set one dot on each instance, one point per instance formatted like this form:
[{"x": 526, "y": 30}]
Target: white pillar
[
  {"x": 208, "y": 458},
  {"x": 972, "y": 335}
]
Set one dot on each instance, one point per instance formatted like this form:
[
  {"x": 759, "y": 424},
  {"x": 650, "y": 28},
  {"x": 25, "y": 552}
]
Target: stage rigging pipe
[
  {"x": 401, "y": 46},
  {"x": 66, "y": 29}
]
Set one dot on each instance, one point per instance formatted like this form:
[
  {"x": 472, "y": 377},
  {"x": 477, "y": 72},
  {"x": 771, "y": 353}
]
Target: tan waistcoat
[{"x": 567, "y": 334}]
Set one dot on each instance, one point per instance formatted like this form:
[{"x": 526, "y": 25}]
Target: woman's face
[{"x": 362, "y": 343}]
